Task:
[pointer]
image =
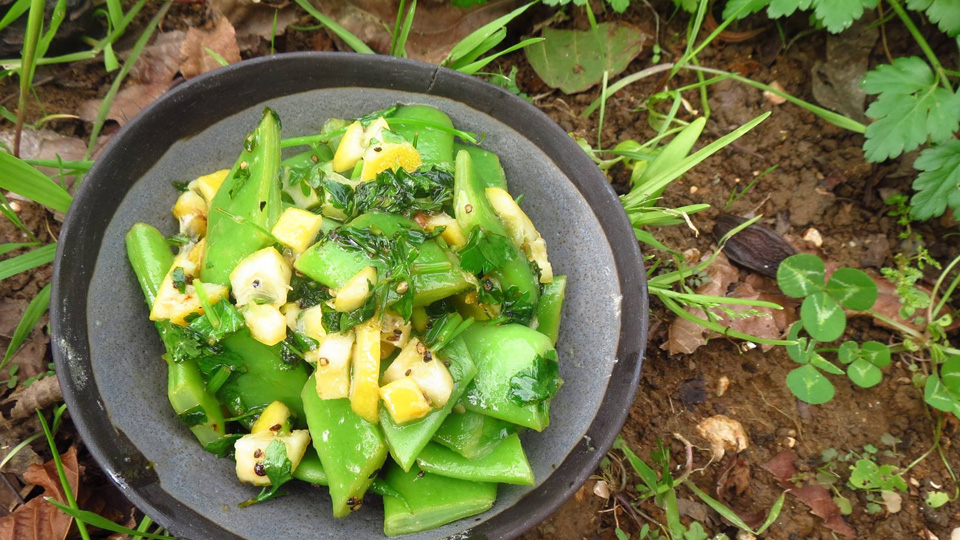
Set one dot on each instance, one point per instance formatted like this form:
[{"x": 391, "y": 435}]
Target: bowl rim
[{"x": 84, "y": 225}]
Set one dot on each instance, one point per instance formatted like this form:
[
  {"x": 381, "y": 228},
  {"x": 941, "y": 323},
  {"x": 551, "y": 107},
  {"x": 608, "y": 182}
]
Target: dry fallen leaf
[
  {"x": 159, "y": 62},
  {"x": 38, "y": 519},
  {"x": 686, "y": 336},
  {"x": 783, "y": 468},
  {"x": 221, "y": 39},
  {"x": 128, "y": 102},
  {"x": 254, "y": 20},
  {"x": 27, "y": 400},
  {"x": 892, "y": 500},
  {"x": 725, "y": 434}
]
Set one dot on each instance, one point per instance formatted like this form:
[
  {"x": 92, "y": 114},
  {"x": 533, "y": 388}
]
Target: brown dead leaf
[
  {"x": 38, "y": 519},
  {"x": 26, "y": 401},
  {"x": 128, "y": 102},
  {"x": 10, "y": 312},
  {"x": 735, "y": 479},
  {"x": 783, "y": 468},
  {"x": 221, "y": 39},
  {"x": 46, "y": 144},
  {"x": 159, "y": 62},
  {"x": 254, "y": 20},
  {"x": 686, "y": 336},
  {"x": 31, "y": 359},
  {"x": 437, "y": 26}
]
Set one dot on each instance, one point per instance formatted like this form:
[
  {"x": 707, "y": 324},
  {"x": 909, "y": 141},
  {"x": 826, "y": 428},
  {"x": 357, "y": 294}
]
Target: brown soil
[{"x": 821, "y": 181}]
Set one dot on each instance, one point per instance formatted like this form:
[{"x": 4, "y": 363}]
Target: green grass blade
[
  {"x": 101, "y": 522},
  {"x": 16, "y": 10},
  {"x": 14, "y": 218},
  {"x": 478, "y": 36},
  {"x": 124, "y": 71},
  {"x": 37, "y": 307},
  {"x": 27, "y": 261},
  {"x": 396, "y": 28},
  {"x": 24, "y": 180},
  {"x": 67, "y": 165},
  {"x": 401, "y": 45},
  {"x": 474, "y": 67},
  {"x": 115, "y": 12},
  {"x": 30, "y": 41},
  {"x": 216, "y": 57},
  {"x": 711, "y": 325},
  {"x": 350, "y": 39},
  {"x": 7, "y": 248},
  {"x": 56, "y": 19},
  {"x": 483, "y": 48},
  {"x": 64, "y": 483}
]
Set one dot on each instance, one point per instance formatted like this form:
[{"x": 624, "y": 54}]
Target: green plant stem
[
  {"x": 924, "y": 46},
  {"x": 64, "y": 483},
  {"x": 711, "y": 325},
  {"x": 898, "y": 325},
  {"x": 703, "y": 299},
  {"x": 931, "y": 311},
  {"x": 30, "y": 41}
]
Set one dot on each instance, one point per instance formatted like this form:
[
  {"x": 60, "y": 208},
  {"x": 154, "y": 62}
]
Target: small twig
[
  {"x": 626, "y": 504},
  {"x": 883, "y": 34}
]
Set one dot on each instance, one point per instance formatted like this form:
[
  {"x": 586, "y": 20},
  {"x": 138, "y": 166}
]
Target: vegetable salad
[{"x": 374, "y": 314}]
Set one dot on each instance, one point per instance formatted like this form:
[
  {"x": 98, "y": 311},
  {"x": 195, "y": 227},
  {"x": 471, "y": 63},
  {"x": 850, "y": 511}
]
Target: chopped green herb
[
  {"x": 193, "y": 416},
  {"x": 278, "y": 469},
  {"x": 180, "y": 280},
  {"x": 484, "y": 252},
  {"x": 537, "y": 383}
]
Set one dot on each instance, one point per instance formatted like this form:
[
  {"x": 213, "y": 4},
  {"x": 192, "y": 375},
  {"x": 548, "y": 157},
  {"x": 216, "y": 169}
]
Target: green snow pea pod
[
  {"x": 407, "y": 440},
  {"x": 550, "y": 308},
  {"x": 350, "y": 448},
  {"x": 415, "y": 123},
  {"x": 471, "y": 434},
  {"x": 506, "y": 464},
  {"x": 251, "y": 192},
  {"x": 488, "y": 163},
  {"x": 508, "y": 359},
  {"x": 310, "y": 469},
  {"x": 150, "y": 257},
  {"x": 267, "y": 378},
  {"x": 436, "y": 274},
  {"x": 431, "y": 500}
]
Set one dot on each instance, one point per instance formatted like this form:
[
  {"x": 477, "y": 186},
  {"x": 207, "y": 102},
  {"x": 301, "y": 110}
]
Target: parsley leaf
[
  {"x": 181, "y": 186},
  {"x": 946, "y": 13},
  {"x": 278, "y": 469},
  {"x": 295, "y": 346},
  {"x": 307, "y": 292},
  {"x": 193, "y": 416},
  {"x": 223, "y": 446},
  {"x": 910, "y": 109},
  {"x": 402, "y": 192},
  {"x": 229, "y": 318},
  {"x": 210, "y": 364},
  {"x": 517, "y": 307},
  {"x": 485, "y": 251},
  {"x": 179, "y": 342},
  {"x": 179, "y": 279},
  {"x": 178, "y": 240},
  {"x": 537, "y": 383},
  {"x": 835, "y": 15},
  {"x": 938, "y": 184}
]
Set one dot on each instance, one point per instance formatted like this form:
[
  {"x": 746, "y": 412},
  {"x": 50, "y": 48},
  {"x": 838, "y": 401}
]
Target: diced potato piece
[
  {"x": 274, "y": 419},
  {"x": 521, "y": 230},
  {"x": 297, "y": 229},
  {"x": 263, "y": 277},
  {"x": 250, "y": 451},
  {"x": 355, "y": 292},
  {"x": 350, "y": 150},
  {"x": 404, "y": 400},
  {"x": 267, "y": 325},
  {"x": 332, "y": 359},
  {"x": 452, "y": 234},
  {"x": 207, "y": 185},
  {"x": 310, "y": 323},
  {"x": 364, "y": 388},
  {"x": 191, "y": 211},
  {"x": 291, "y": 311},
  {"x": 394, "y": 330},
  {"x": 420, "y": 364}
]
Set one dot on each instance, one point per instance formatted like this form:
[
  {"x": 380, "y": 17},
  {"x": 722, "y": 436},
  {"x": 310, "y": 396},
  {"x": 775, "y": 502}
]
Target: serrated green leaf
[
  {"x": 809, "y": 385},
  {"x": 838, "y": 15},
  {"x": 575, "y": 60},
  {"x": 848, "y": 352},
  {"x": 876, "y": 353},
  {"x": 937, "y": 396},
  {"x": 910, "y": 109},
  {"x": 864, "y": 374},
  {"x": 745, "y": 8},
  {"x": 801, "y": 275},
  {"x": 823, "y": 317},
  {"x": 853, "y": 289},
  {"x": 785, "y": 8},
  {"x": 945, "y": 13},
  {"x": 938, "y": 184},
  {"x": 619, "y": 5},
  {"x": 950, "y": 374}
]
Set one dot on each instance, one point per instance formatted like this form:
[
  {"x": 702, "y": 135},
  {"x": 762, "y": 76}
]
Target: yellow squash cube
[
  {"x": 452, "y": 233},
  {"x": 267, "y": 325},
  {"x": 310, "y": 323},
  {"x": 250, "y": 451},
  {"x": 297, "y": 229},
  {"x": 191, "y": 211},
  {"x": 421, "y": 365},
  {"x": 404, "y": 400},
  {"x": 332, "y": 360},
  {"x": 291, "y": 311},
  {"x": 394, "y": 330},
  {"x": 521, "y": 230},
  {"x": 350, "y": 150},
  {"x": 263, "y": 277},
  {"x": 356, "y": 291},
  {"x": 380, "y": 157},
  {"x": 207, "y": 185},
  {"x": 365, "y": 387},
  {"x": 274, "y": 419}
]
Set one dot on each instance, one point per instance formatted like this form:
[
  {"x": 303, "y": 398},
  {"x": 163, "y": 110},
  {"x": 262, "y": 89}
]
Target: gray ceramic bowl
[{"x": 108, "y": 353}]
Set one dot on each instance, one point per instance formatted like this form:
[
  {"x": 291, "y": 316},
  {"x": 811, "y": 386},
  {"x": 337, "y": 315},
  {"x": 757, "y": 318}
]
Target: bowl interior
[{"x": 161, "y": 463}]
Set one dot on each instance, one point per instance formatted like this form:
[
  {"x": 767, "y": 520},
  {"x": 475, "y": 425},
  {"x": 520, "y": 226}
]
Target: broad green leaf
[
  {"x": 797, "y": 352},
  {"x": 864, "y": 374},
  {"x": 822, "y": 317},
  {"x": 690, "y": 6},
  {"x": 809, "y": 385},
  {"x": 801, "y": 275},
  {"x": 575, "y": 60},
  {"x": 838, "y": 15},
  {"x": 945, "y": 13},
  {"x": 853, "y": 289},
  {"x": 938, "y": 184},
  {"x": 876, "y": 353},
  {"x": 621, "y": 535},
  {"x": 936, "y": 499},
  {"x": 937, "y": 396},
  {"x": 619, "y": 5},
  {"x": 785, "y": 8},
  {"x": 820, "y": 362},
  {"x": 910, "y": 109},
  {"x": 37, "y": 307},
  {"x": 24, "y": 180},
  {"x": 743, "y": 8},
  {"x": 27, "y": 261},
  {"x": 848, "y": 352},
  {"x": 950, "y": 374}
]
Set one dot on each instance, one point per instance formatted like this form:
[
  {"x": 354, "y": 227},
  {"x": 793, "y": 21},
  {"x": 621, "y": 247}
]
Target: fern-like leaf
[
  {"x": 910, "y": 109},
  {"x": 946, "y": 13},
  {"x": 938, "y": 184}
]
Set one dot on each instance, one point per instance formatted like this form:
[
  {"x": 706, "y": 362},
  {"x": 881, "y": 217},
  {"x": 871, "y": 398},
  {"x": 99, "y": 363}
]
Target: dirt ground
[{"x": 821, "y": 181}]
